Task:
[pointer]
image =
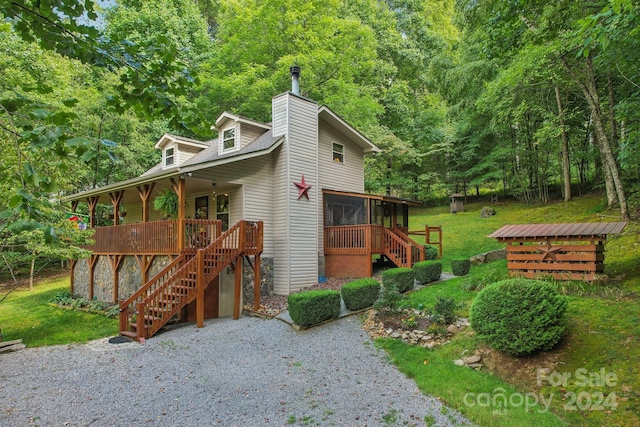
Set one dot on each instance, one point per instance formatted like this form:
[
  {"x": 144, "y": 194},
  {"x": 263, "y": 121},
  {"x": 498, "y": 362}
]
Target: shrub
[
  {"x": 444, "y": 311},
  {"x": 389, "y": 298},
  {"x": 460, "y": 267},
  {"x": 484, "y": 276},
  {"x": 431, "y": 253},
  {"x": 427, "y": 271},
  {"x": 313, "y": 307},
  {"x": 519, "y": 316},
  {"x": 361, "y": 293},
  {"x": 401, "y": 277}
]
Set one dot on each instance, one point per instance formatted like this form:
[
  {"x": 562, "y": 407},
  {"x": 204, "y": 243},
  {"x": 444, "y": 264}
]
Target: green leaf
[
  {"x": 108, "y": 143},
  {"x": 71, "y": 102}
]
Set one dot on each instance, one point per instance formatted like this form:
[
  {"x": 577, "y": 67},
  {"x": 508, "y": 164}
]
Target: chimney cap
[{"x": 295, "y": 70}]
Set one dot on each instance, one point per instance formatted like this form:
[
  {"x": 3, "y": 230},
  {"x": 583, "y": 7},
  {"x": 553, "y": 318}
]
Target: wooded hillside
[{"x": 530, "y": 99}]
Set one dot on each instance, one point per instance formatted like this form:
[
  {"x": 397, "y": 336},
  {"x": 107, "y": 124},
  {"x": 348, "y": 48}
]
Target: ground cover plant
[
  {"x": 29, "y": 315},
  {"x": 601, "y": 338}
]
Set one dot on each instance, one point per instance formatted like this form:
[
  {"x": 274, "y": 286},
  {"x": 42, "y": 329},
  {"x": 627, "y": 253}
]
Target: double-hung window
[
  {"x": 229, "y": 140},
  {"x": 169, "y": 157},
  {"x": 338, "y": 153}
]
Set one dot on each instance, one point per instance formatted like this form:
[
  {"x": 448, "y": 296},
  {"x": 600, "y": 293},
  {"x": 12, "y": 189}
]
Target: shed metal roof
[{"x": 582, "y": 229}]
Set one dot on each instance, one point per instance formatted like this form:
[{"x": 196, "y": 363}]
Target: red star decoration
[{"x": 303, "y": 188}]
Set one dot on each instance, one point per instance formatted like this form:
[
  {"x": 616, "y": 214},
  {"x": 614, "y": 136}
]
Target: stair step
[{"x": 129, "y": 334}]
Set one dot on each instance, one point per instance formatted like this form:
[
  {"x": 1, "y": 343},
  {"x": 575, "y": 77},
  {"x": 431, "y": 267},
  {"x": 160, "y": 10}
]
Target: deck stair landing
[{"x": 184, "y": 280}]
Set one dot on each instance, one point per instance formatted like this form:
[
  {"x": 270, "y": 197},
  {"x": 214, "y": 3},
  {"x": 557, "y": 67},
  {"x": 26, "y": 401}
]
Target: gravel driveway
[{"x": 247, "y": 372}]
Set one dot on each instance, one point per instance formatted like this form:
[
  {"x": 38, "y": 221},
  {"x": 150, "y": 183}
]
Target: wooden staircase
[
  {"x": 401, "y": 249},
  {"x": 185, "y": 279}
]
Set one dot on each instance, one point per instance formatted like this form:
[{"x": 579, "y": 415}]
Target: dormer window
[
  {"x": 338, "y": 153},
  {"x": 169, "y": 158},
  {"x": 229, "y": 140}
]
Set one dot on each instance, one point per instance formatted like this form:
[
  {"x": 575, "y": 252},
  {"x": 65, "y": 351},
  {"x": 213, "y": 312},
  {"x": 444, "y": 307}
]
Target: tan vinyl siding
[
  {"x": 185, "y": 153},
  {"x": 280, "y": 205},
  {"x": 346, "y": 176},
  {"x": 303, "y": 217},
  {"x": 249, "y": 133},
  {"x": 279, "y": 114}
]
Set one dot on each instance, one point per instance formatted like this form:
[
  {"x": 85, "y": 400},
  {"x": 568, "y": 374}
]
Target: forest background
[{"x": 527, "y": 98}]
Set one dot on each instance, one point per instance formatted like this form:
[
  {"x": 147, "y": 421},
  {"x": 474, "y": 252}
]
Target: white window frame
[
  {"x": 340, "y": 153},
  {"x": 173, "y": 157},
  {"x": 236, "y": 139}
]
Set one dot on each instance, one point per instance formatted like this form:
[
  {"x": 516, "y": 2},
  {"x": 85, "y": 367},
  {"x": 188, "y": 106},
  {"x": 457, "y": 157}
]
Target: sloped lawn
[{"x": 591, "y": 378}]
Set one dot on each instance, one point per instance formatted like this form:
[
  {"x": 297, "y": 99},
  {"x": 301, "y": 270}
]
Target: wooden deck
[{"x": 348, "y": 248}]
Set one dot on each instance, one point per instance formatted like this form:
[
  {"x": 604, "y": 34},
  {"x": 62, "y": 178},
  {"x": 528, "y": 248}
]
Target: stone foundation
[
  {"x": 266, "y": 279},
  {"x": 129, "y": 281}
]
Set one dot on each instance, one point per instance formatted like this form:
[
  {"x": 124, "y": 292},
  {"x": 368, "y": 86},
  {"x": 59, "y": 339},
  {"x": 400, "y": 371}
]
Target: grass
[
  {"x": 28, "y": 315},
  {"x": 602, "y": 337}
]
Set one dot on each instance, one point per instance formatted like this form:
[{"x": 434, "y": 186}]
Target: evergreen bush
[
  {"x": 401, "y": 277},
  {"x": 427, "y": 271},
  {"x": 431, "y": 253},
  {"x": 313, "y": 307},
  {"x": 360, "y": 293},
  {"x": 460, "y": 267},
  {"x": 389, "y": 299},
  {"x": 519, "y": 316}
]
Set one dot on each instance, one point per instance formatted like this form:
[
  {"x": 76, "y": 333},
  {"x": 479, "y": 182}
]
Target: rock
[
  {"x": 459, "y": 362},
  {"x": 395, "y": 335},
  {"x": 452, "y": 329},
  {"x": 475, "y": 365},
  {"x": 405, "y": 336},
  {"x": 472, "y": 359},
  {"x": 426, "y": 338},
  {"x": 389, "y": 331}
]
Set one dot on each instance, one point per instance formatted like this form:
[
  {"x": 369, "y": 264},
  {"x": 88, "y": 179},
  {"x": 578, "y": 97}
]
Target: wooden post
[
  {"x": 92, "y": 202},
  {"x": 123, "y": 317},
  {"x": 116, "y": 261},
  {"x": 200, "y": 289},
  {"x": 256, "y": 282},
  {"x": 116, "y": 198},
  {"x": 92, "y": 263},
  {"x": 237, "y": 290},
  {"x": 140, "y": 330},
  {"x": 145, "y": 193},
  {"x": 179, "y": 188}
]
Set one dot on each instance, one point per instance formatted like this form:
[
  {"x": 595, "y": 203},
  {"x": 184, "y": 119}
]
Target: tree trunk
[
  {"x": 612, "y": 113},
  {"x": 33, "y": 267},
  {"x": 566, "y": 166},
  {"x": 590, "y": 91}
]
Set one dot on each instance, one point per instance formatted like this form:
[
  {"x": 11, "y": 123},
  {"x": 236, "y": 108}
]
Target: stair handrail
[
  {"x": 125, "y": 305},
  {"x": 405, "y": 246},
  {"x": 231, "y": 248},
  {"x": 417, "y": 246}
]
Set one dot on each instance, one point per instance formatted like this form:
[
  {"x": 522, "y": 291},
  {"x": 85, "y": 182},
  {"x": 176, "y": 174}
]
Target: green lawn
[
  {"x": 28, "y": 315},
  {"x": 601, "y": 342}
]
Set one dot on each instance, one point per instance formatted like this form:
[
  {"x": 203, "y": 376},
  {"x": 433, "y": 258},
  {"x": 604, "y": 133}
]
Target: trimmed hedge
[
  {"x": 427, "y": 271},
  {"x": 401, "y": 277},
  {"x": 519, "y": 316},
  {"x": 313, "y": 307},
  {"x": 431, "y": 253},
  {"x": 460, "y": 267},
  {"x": 360, "y": 293}
]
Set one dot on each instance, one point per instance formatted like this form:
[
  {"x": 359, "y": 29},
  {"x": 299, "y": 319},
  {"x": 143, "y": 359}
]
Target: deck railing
[
  {"x": 354, "y": 239},
  {"x": 153, "y": 238}
]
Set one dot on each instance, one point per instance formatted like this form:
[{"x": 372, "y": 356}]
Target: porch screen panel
[{"x": 344, "y": 210}]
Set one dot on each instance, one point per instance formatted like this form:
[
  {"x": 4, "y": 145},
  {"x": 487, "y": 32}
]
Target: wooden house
[{"x": 287, "y": 196}]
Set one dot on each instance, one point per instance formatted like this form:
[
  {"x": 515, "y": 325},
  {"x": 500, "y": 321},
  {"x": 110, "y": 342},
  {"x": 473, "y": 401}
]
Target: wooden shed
[{"x": 570, "y": 251}]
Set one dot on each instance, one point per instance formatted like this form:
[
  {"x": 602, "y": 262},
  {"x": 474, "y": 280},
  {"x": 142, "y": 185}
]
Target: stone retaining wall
[{"x": 266, "y": 279}]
